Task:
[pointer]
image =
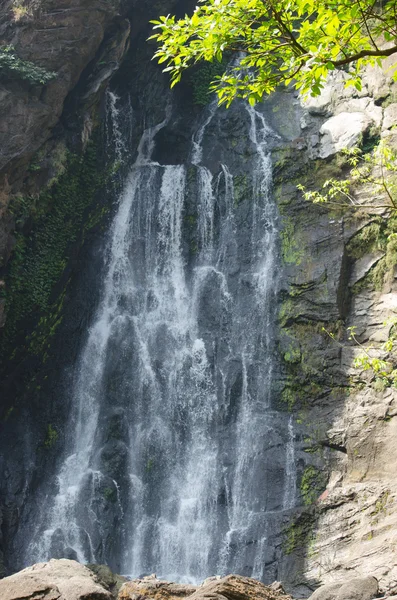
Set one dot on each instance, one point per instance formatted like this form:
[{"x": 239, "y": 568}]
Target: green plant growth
[
  {"x": 380, "y": 508},
  {"x": 311, "y": 485},
  {"x": 201, "y": 80},
  {"x": 40, "y": 257},
  {"x": 377, "y": 168},
  {"x": 378, "y": 171},
  {"x": 368, "y": 239},
  {"x": 150, "y": 465},
  {"x": 299, "y": 533},
  {"x": 291, "y": 250},
  {"x": 16, "y": 68},
  {"x": 385, "y": 371},
  {"x": 278, "y": 42},
  {"x": 242, "y": 189},
  {"x": 51, "y": 437}
]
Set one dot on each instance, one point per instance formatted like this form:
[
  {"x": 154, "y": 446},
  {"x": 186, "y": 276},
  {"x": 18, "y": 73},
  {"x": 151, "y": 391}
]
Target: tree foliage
[
  {"x": 278, "y": 42},
  {"x": 377, "y": 168},
  {"x": 13, "y": 66}
]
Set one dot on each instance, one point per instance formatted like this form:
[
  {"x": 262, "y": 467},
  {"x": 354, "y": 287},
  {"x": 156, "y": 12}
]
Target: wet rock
[
  {"x": 232, "y": 587},
  {"x": 56, "y": 580},
  {"x": 64, "y": 39}
]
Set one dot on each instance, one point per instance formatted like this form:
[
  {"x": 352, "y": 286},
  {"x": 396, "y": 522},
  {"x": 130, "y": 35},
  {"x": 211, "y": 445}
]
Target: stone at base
[
  {"x": 231, "y": 587},
  {"x": 56, "y": 580},
  {"x": 360, "y": 588}
]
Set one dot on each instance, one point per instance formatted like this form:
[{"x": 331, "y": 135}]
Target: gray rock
[
  {"x": 107, "y": 577},
  {"x": 326, "y": 592},
  {"x": 361, "y": 588},
  {"x": 56, "y": 580},
  {"x": 342, "y": 131},
  {"x": 390, "y": 116},
  {"x": 364, "y": 265}
]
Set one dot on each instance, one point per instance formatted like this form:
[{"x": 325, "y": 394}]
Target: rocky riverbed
[{"x": 68, "y": 580}]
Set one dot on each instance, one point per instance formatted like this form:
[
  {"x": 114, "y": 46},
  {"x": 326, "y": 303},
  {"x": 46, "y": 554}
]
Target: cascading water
[{"x": 176, "y": 459}]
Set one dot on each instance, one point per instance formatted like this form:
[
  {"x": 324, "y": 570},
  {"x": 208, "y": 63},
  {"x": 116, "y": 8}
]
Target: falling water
[
  {"x": 114, "y": 134},
  {"x": 176, "y": 457}
]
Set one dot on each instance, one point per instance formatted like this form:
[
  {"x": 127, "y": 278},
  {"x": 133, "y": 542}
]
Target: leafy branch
[
  {"x": 384, "y": 370},
  {"x": 13, "y": 66},
  {"x": 378, "y": 169},
  {"x": 277, "y": 42}
]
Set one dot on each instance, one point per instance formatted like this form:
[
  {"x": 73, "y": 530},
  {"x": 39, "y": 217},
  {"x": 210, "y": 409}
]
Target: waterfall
[
  {"x": 176, "y": 459},
  {"x": 114, "y": 133}
]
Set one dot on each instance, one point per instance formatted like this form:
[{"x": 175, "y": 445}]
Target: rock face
[
  {"x": 343, "y": 426},
  {"x": 348, "y": 414},
  {"x": 110, "y": 580},
  {"x": 342, "y": 131},
  {"x": 63, "y": 38},
  {"x": 56, "y": 580},
  {"x": 232, "y": 587},
  {"x": 363, "y": 588}
]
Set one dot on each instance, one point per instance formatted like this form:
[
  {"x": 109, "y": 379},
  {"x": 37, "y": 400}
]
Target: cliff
[
  {"x": 340, "y": 275},
  {"x": 62, "y": 168}
]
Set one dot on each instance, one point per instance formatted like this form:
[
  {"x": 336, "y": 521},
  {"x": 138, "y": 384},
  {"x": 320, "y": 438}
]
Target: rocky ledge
[{"x": 68, "y": 580}]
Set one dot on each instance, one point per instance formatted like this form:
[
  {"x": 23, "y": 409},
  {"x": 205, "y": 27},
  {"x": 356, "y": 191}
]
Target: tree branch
[{"x": 363, "y": 54}]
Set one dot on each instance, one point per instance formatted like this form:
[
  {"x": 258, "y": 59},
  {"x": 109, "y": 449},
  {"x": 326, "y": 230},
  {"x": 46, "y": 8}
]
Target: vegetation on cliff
[
  {"x": 58, "y": 218},
  {"x": 12, "y": 66},
  {"x": 376, "y": 170}
]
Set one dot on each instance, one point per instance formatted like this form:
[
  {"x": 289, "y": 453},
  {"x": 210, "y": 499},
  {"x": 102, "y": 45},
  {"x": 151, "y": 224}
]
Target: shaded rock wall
[
  {"x": 63, "y": 38},
  {"x": 338, "y": 276}
]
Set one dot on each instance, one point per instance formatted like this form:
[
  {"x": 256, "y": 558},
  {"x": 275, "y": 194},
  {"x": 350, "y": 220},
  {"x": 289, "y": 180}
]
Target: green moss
[
  {"x": 60, "y": 217},
  {"x": 384, "y": 268},
  {"x": 110, "y": 494},
  {"x": 191, "y": 220},
  {"x": 311, "y": 485},
  {"x": 365, "y": 241},
  {"x": 150, "y": 465},
  {"x": 390, "y": 99},
  {"x": 202, "y": 77},
  {"x": 291, "y": 250},
  {"x": 299, "y": 534},
  {"x": 242, "y": 189},
  {"x": 51, "y": 437},
  {"x": 8, "y": 413},
  {"x": 289, "y": 397},
  {"x": 380, "y": 508},
  {"x": 287, "y": 312},
  {"x": 298, "y": 391}
]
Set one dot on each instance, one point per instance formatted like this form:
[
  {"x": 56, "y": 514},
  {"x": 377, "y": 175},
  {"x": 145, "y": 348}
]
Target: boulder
[
  {"x": 110, "y": 580},
  {"x": 360, "y": 588},
  {"x": 56, "y": 580},
  {"x": 155, "y": 589},
  {"x": 342, "y": 131},
  {"x": 231, "y": 587},
  {"x": 390, "y": 116}
]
